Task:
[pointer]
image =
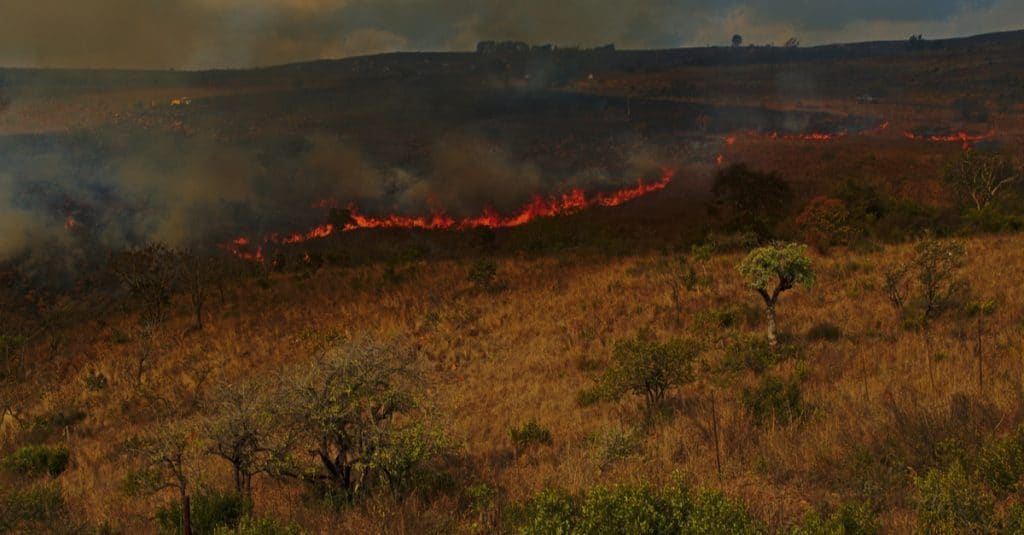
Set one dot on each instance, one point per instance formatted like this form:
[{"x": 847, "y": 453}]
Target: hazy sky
[{"x": 243, "y": 33}]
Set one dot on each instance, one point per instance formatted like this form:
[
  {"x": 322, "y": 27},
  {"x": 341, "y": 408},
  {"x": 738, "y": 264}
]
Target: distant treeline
[{"x": 492, "y": 47}]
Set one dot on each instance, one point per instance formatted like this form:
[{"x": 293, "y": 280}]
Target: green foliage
[
  {"x": 614, "y": 443},
  {"x": 773, "y": 400},
  {"x": 529, "y": 434},
  {"x": 635, "y": 510},
  {"x": 250, "y": 525},
  {"x": 402, "y": 455},
  {"x": 849, "y": 519},
  {"x": 211, "y": 509},
  {"x": 610, "y": 511},
  {"x": 825, "y": 331},
  {"x": 785, "y": 264},
  {"x": 749, "y": 352},
  {"x": 949, "y": 502},
  {"x": 1001, "y": 464},
  {"x": 38, "y": 460},
  {"x": 649, "y": 368},
  {"x": 31, "y": 510},
  {"x": 938, "y": 263}
]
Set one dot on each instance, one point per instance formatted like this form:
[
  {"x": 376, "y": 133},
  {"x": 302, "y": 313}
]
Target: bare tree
[
  {"x": 164, "y": 460},
  {"x": 149, "y": 274},
  {"x": 245, "y": 427},
  {"x": 980, "y": 178}
]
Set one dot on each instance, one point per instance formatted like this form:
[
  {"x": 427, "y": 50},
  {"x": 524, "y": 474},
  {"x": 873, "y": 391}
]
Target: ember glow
[
  {"x": 539, "y": 207},
  {"x": 959, "y": 137}
]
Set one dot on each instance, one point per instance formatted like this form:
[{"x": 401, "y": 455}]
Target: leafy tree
[
  {"x": 737, "y": 40},
  {"x": 775, "y": 269},
  {"x": 345, "y": 404},
  {"x": 649, "y": 368},
  {"x": 980, "y": 178},
  {"x": 751, "y": 200},
  {"x": 948, "y": 501}
]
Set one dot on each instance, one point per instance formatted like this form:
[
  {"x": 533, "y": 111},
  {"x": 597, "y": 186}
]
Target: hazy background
[{"x": 195, "y": 34}]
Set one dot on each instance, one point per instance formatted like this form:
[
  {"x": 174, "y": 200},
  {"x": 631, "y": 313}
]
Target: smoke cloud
[{"x": 244, "y": 33}]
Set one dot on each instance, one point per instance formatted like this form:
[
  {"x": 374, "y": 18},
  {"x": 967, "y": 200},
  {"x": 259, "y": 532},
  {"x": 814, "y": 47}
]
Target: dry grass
[{"x": 499, "y": 360}]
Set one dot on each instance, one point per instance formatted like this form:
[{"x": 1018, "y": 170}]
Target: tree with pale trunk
[
  {"x": 979, "y": 178},
  {"x": 775, "y": 269}
]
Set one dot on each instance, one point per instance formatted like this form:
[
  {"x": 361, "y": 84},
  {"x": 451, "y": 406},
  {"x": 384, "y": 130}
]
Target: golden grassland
[{"x": 498, "y": 359}]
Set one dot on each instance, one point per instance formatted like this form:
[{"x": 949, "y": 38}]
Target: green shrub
[
  {"x": 847, "y": 520},
  {"x": 529, "y": 434},
  {"x": 36, "y": 507},
  {"x": 402, "y": 460},
  {"x": 1013, "y": 520},
  {"x": 1001, "y": 463},
  {"x": 825, "y": 331},
  {"x": 752, "y": 353},
  {"x": 635, "y": 510},
  {"x": 649, "y": 368},
  {"x": 211, "y": 509},
  {"x": 949, "y": 502},
  {"x": 713, "y": 513},
  {"x": 614, "y": 443},
  {"x": 551, "y": 512},
  {"x": 611, "y": 511},
  {"x": 250, "y": 525},
  {"x": 773, "y": 399},
  {"x": 38, "y": 460}
]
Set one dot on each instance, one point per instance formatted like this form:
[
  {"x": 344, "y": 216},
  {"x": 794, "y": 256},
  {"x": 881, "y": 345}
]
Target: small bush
[
  {"x": 211, "y": 510},
  {"x": 649, "y": 368},
  {"x": 1001, "y": 463},
  {"x": 825, "y": 331},
  {"x": 32, "y": 509},
  {"x": 482, "y": 274},
  {"x": 635, "y": 510},
  {"x": 773, "y": 400},
  {"x": 529, "y": 434},
  {"x": 752, "y": 353},
  {"x": 949, "y": 502},
  {"x": 614, "y": 444},
  {"x": 847, "y": 520},
  {"x": 95, "y": 381},
  {"x": 250, "y": 525},
  {"x": 38, "y": 460}
]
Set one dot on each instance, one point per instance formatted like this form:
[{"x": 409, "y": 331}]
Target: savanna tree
[
  {"x": 164, "y": 460},
  {"x": 775, "y": 269},
  {"x": 750, "y": 200},
  {"x": 979, "y": 178},
  {"x": 150, "y": 275},
  {"x": 345, "y": 405},
  {"x": 649, "y": 368},
  {"x": 245, "y": 427}
]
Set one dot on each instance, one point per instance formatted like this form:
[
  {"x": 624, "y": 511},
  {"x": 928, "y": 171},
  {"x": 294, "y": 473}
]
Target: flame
[
  {"x": 70, "y": 223},
  {"x": 961, "y": 137},
  {"x": 538, "y": 207},
  {"x": 720, "y": 159}
]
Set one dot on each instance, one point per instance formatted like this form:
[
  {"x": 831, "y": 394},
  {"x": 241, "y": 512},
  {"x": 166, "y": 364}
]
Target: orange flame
[
  {"x": 538, "y": 207},
  {"x": 961, "y": 137}
]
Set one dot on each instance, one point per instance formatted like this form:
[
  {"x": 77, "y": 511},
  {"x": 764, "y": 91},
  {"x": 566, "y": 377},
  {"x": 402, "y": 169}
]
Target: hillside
[{"x": 499, "y": 293}]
